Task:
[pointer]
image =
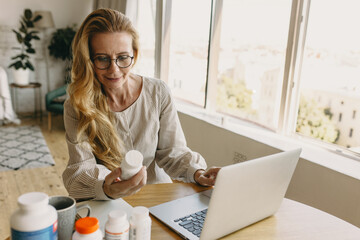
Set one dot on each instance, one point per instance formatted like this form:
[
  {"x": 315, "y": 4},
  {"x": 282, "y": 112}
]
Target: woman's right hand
[{"x": 115, "y": 188}]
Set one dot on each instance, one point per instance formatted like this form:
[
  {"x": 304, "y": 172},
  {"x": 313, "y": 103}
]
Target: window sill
[{"x": 334, "y": 160}]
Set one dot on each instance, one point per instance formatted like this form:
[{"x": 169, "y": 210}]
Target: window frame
[{"x": 290, "y": 92}]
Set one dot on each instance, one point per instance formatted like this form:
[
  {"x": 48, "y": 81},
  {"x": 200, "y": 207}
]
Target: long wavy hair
[{"x": 96, "y": 120}]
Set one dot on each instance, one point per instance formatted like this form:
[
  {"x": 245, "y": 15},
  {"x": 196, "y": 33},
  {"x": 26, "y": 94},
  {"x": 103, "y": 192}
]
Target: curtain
[
  {"x": 127, "y": 7},
  {"x": 7, "y": 114},
  {"x": 119, "y": 5}
]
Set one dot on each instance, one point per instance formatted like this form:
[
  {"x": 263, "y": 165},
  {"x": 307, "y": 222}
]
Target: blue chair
[{"x": 54, "y": 101}]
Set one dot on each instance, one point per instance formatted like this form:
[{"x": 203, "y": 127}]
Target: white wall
[
  {"x": 65, "y": 13},
  {"x": 312, "y": 184}
]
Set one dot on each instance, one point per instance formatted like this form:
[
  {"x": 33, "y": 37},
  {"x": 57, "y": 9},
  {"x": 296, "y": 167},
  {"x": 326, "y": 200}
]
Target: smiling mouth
[{"x": 113, "y": 79}]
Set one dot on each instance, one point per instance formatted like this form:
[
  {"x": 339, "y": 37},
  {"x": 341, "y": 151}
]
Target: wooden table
[{"x": 292, "y": 221}]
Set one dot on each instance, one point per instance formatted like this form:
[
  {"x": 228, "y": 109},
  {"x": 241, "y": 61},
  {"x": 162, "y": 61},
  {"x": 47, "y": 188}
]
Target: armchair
[{"x": 54, "y": 101}]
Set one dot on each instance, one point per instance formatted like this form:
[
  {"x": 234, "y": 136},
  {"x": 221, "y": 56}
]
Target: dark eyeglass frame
[{"x": 114, "y": 59}]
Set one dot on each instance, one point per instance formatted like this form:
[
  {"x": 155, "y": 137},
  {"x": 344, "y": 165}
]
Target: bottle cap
[
  {"x": 33, "y": 200},
  {"x": 133, "y": 159},
  {"x": 116, "y": 216},
  {"x": 131, "y": 165},
  {"x": 87, "y": 225},
  {"x": 140, "y": 212}
]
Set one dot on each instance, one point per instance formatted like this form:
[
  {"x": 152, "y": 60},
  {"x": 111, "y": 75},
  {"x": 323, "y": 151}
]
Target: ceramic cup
[{"x": 66, "y": 209}]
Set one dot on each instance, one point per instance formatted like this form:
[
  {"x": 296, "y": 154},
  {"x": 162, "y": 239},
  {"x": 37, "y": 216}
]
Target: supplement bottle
[
  {"x": 35, "y": 218},
  {"x": 117, "y": 227},
  {"x": 87, "y": 228},
  {"x": 140, "y": 224},
  {"x": 131, "y": 164}
]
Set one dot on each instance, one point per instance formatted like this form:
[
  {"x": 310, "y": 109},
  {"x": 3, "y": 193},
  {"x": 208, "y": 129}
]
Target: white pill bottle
[
  {"x": 140, "y": 224},
  {"x": 117, "y": 226},
  {"x": 35, "y": 218},
  {"x": 131, "y": 164}
]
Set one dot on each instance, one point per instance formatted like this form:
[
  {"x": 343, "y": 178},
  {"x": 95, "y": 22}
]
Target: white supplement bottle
[
  {"x": 117, "y": 226},
  {"x": 87, "y": 228},
  {"x": 35, "y": 218},
  {"x": 131, "y": 164},
  {"x": 140, "y": 224}
]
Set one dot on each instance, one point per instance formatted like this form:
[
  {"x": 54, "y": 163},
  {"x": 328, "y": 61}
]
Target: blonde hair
[{"x": 96, "y": 121}]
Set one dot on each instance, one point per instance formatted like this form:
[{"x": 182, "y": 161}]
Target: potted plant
[
  {"x": 60, "y": 47},
  {"x": 24, "y": 35}
]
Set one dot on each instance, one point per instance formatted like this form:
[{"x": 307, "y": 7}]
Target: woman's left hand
[{"x": 206, "y": 178}]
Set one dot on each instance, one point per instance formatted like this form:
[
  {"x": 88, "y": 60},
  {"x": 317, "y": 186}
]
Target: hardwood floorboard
[{"x": 46, "y": 179}]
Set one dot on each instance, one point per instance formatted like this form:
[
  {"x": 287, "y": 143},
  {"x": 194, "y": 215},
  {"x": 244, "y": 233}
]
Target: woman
[{"x": 112, "y": 110}]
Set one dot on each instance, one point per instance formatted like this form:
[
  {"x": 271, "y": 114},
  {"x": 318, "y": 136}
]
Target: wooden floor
[{"x": 46, "y": 179}]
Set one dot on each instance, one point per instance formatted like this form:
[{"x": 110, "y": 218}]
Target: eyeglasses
[{"x": 104, "y": 62}]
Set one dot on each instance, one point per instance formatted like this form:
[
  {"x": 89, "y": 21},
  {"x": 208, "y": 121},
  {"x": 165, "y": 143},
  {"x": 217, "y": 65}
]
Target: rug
[{"x": 23, "y": 147}]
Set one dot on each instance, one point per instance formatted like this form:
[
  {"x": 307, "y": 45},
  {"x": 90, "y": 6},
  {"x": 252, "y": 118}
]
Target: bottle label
[
  {"x": 49, "y": 233},
  {"x": 140, "y": 233},
  {"x": 117, "y": 236}
]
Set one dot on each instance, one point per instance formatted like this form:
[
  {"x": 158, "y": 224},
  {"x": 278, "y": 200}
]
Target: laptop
[{"x": 244, "y": 193}]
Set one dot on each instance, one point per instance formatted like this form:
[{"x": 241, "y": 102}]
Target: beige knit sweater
[{"x": 151, "y": 126}]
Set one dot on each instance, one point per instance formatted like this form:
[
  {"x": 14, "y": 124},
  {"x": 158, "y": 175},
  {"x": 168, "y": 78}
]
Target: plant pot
[{"x": 21, "y": 76}]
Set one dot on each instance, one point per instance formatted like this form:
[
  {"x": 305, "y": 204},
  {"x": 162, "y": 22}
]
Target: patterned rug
[{"x": 23, "y": 147}]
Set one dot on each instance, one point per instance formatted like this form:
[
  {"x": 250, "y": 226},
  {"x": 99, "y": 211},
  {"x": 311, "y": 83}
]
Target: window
[
  {"x": 288, "y": 66},
  {"x": 188, "y": 54},
  {"x": 331, "y": 69},
  {"x": 146, "y": 13},
  {"x": 351, "y": 132},
  {"x": 253, "y": 40}
]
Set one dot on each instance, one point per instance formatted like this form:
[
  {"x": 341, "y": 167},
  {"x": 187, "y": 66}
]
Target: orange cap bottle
[{"x": 87, "y": 228}]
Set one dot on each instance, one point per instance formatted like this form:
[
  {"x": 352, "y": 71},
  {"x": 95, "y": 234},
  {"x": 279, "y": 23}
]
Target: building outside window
[
  {"x": 331, "y": 68},
  {"x": 250, "y": 66}
]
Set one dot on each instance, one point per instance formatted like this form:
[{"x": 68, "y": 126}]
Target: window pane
[
  {"x": 251, "y": 60},
  {"x": 190, "y": 24},
  {"x": 330, "y": 74},
  {"x": 146, "y": 28}
]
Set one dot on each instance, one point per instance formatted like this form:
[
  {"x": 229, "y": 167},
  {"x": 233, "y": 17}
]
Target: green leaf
[
  {"x": 24, "y": 21},
  {"x": 18, "y": 36},
  {"x": 15, "y": 31},
  {"x": 28, "y": 44},
  {"x": 21, "y": 56},
  {"x": 29, "y": 65},
  {"x": 11, "y": 65},
  {"x": 30, "y": 50},
  {"x": 37, "y": 18},
  {"x": 22, "y": 28},
  {"x": 18, "y": 56},
  {"x": 28, "y": 14},
  {"x": 28, "y": 38},
  {"x": 33, "y": 32},
  {"x": 18, "y": 65}
]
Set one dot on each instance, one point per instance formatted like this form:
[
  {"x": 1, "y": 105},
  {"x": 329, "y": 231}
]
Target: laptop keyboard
[{"x": 193, "y": 222}]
